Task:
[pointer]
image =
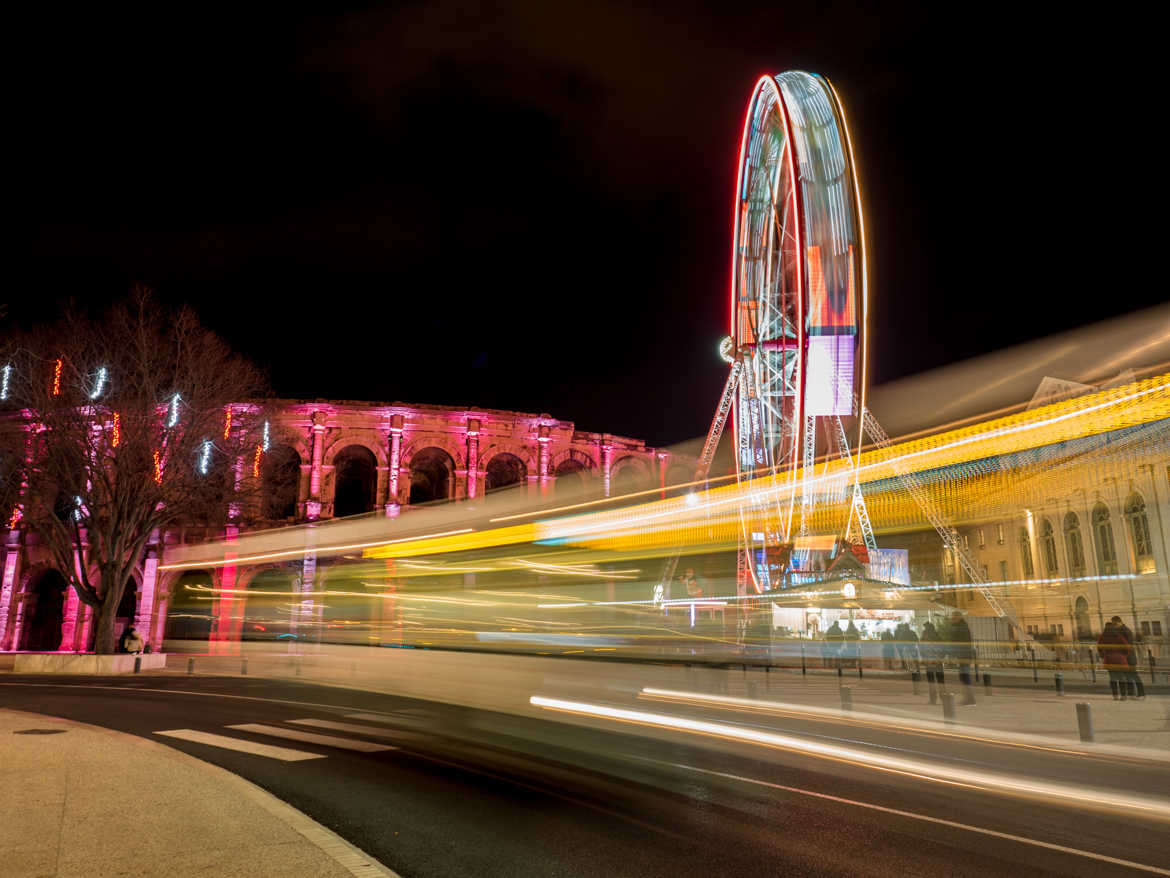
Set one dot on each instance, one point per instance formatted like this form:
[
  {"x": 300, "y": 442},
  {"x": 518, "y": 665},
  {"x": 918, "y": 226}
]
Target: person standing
[
  {"x": 963, "y": 653},
  {"x": 888, "y": 649},
  {"x": 1114, "y": 649},
  {"x": 853, "y": 644},
  {"x": 1133, "y": 680},
  {"x": 932, "y": 655},
  {"x": 834, "y": 639}
]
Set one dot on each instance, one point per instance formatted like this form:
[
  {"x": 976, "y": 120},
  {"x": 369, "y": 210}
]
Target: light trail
[{"x": 919, "y": 769}]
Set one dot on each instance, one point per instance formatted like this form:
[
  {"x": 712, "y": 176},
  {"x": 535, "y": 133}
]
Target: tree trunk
[{"x": 104, "y": 641}]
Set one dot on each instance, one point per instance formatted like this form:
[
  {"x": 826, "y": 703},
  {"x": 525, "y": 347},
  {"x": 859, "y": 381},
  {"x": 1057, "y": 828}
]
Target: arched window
[
  {"x": 1103, "y": 537},
  {"x": 1026, "y": 554},
  {"x": 356, "y": 481},
  {"x": 1048, "y": 546},
  {"x": 1084, "y": 627},
  {"x": 1139, "y": 532},
  {"x": 504, "y": 471},
  {"x": 431, "y": 471},
  {"x": 1074, "y": 545},
  {"x": 570, "y": 478},
  {"x": 44, "y": 611}
]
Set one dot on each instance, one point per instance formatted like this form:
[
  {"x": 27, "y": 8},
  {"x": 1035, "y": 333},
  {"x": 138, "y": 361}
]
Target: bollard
[
  {"x": 846, "y": 698},
  {"x": 838, "y": 670},
  {"x": 915, "y": 682},
  {"x": 244, "y": 665},
  {"x": 1150, "y": 658},
  {"x": 1035, "y": 673},
  {"x": 803, "y": 672},
  {"x": 859, "y": 669},
  {"x": 948, "y": 701},
  {"x": 137, "y": 663},
  {"x": 987, "y": 684},
  {"x": 1085, "y": 721},
  {"x": 190, "y": 666},
  {"x": 1058, "y": 680}
]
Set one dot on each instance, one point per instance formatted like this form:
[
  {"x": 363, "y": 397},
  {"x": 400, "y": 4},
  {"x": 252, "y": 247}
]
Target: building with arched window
[{"x": 328, "y": 460}]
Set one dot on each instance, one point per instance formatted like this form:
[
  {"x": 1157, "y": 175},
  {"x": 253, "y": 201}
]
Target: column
[
  {"x": 146, "y": 595},
  {"x": 71, "y": 609},
  {"x": 472, "y": 458},
  {"x": 606, "y": 461},
  {"x": 393, "y": 507},
  {"x": 7, "y": 586},
  {"x": 542, "y": 460},
  {"x": 221, "y": 632},
  {"x": 313, "y": 507}
]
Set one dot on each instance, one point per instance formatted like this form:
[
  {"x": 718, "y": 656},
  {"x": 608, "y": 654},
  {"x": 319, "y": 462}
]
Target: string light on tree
[
  {"x": 227, "y": 422},
  {"x": 205, "y": 456},
  {"x": 117, "y": 437},
  {"x": 100, "y": 384},
  {"x": 173, "y": 415},
  {"x": 264, "y": 444},
  {"x": 5, "y": 380},
  {"x": 256, "y": 462},
  {"x": 57, "y": 367},
  {"x": 157, "y": 468}
]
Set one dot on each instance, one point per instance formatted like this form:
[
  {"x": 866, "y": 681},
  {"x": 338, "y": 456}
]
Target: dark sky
[{"x": 527, "y": 205}]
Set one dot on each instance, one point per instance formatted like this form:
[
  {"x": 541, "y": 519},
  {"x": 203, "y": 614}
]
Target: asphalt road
[{"x": 469, "y": 792}]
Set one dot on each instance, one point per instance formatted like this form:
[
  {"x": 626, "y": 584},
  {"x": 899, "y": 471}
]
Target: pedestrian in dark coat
[
  {"x": 834, "y": 640},
  {"x": 962, "y": 651},
  {"x": 1114, "y": 648},
  {"x": 932, "y": 654},
  {"x": 1134, "y": 686},
  {"x": 888, "y": 649}
]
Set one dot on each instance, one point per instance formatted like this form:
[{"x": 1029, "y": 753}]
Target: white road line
[
  {"x": 345, "y": 727},
  {"x": 284, "y": 754},
  {"x": 374, "y": 718},
  {"x": 311, "y": 738},
  {"x": 925, "y": 817}
]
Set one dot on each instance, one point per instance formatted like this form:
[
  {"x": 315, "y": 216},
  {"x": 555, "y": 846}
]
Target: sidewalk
[{"x": 77, "y": 800}]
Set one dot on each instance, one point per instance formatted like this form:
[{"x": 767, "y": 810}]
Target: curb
[{"x": 350, "y": 857}]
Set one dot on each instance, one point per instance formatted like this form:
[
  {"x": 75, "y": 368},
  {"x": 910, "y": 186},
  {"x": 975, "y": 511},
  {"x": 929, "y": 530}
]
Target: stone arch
[
  {"x": 343, "y": 440},
  {"x": 191, "y": 606},
  {"x": 280, "y": 481},
  {"x": 127, "y": 608},
  {"x": 355, "y": 481},
  {"x": 419, "y": 442},
  {"x": 504, "y": 470},
  {"x": 628, "y": 475},
  {"x": 679, "y": 474},
  {"x": 44, "y": 610},
  {"x": 526, "y": 455},
  {"x": 584, "y": 461},
  {"x": 432, "y": 476}
]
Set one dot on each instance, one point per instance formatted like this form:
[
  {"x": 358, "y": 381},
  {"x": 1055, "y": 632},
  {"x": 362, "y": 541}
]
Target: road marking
[
  {"x": 311, "y": 738},
  {"x": 1157, "y": 808},
  {"x": 284, "y": 754},
  {"x": 924, "y": 817},
  {"x": 345, "y": 727}
]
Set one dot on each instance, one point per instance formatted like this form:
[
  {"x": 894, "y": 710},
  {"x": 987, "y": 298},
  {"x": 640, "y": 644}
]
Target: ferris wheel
[{"x": 795, "y": 391}]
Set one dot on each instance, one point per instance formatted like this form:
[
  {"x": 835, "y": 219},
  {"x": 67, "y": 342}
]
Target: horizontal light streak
[{"x": 915, "y": 768}]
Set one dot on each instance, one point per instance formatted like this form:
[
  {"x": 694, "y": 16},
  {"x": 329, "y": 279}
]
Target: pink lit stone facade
[{"x": 352, "y": 457}]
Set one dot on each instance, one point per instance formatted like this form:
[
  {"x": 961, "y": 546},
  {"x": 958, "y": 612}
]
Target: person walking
[
  {"x": 1114, "y": 649},
  {"x": 963, "y": 652},
  {"x": 853, "y": 645},
  {"x": 932, "y": 654}
]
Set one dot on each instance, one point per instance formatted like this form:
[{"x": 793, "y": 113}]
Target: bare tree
[{"x": 130, "y": 425}]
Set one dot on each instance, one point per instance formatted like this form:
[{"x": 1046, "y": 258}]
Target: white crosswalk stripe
[
  {"x": 369, "y": 731},
  {"x": 312, "y": 738},
  {"x": 284, "y": 754}
]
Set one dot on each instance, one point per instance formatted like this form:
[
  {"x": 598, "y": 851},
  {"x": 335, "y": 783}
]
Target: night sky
[{"x": 527, "y": 205}]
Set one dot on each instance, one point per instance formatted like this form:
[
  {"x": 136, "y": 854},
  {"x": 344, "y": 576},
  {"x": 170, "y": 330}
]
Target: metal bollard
[
  {"x": 948, "y": 701},
  {"x": 803, "y": 671},
  {"x": 137, "y": 663},
  {"x": 859, "y": 669},
  {"x": 1035, "y": 673},
  {"x": 1085, "y": 721},
  {"x": 1058, "y": 680},
  {"x": 846, "y": 698},
  {"x": 987, "y": 684},
  {"x": 190, "y": 666},
  {"x": 1150, "y": 658},
  {"x": 244, "y": 665},
  {"x": 915, "y": 682}
]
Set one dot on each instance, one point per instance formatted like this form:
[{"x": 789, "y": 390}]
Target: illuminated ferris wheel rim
[{"x": 797, "y": 224}]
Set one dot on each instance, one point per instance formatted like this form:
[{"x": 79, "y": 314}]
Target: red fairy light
[
  {"x": 117, "y": 437},
  {"x": 157, "y": 468},
  {"x": 57, "y": 377},
  {"x": 17, "y": 514},
  {"x": 256, "y": 461},
  {"x": 227, "y": 421}
]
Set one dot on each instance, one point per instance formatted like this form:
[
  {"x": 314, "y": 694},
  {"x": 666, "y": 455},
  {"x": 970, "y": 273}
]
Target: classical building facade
[{"x": 333, "y": 459}]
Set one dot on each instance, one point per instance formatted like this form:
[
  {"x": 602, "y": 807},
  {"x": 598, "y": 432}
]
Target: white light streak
[
  {"x": 100, "y": 384},
  {"x": 173, "y": 415}
]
